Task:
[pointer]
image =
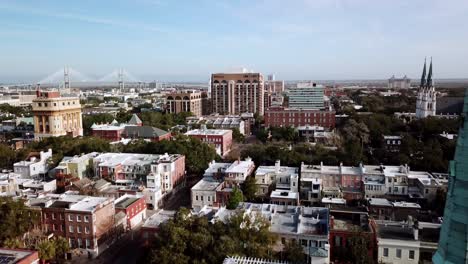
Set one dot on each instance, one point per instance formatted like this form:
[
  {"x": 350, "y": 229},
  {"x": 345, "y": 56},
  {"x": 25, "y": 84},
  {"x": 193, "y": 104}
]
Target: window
[
  {"x": 53, "y": 216},
  {"x": 45, "y": 215},
  {"x": 70, "y": 229},
  {"x": 411, "y": 254},
  {"x": 385, "y": 252},
  {"x": 88, "y": 243},
  {"x": 86, "y": 218},
  {"x": 283, "y": 240},
  {"x": 54, "y": 227},
  {"x": 196, "y": 197},
  {"x": 70, "y": 217},
  {"x": 398, "y": 253},
  {"x": 78, "y": 229},
  {"x": 86, "y": 229},
  {"x": 78, "y": 218}
]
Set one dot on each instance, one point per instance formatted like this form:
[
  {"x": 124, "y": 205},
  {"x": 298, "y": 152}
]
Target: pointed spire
[
  {"x": 423, "y": 77},
  {"x": 429, "y": 75}
]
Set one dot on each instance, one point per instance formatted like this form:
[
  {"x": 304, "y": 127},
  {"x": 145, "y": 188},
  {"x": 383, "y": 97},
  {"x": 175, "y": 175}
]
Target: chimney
[{"x": 332, "y": 222}]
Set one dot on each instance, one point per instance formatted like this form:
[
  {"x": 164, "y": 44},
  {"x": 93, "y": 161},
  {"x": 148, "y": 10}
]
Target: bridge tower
[{"x": 120, "y": 75}]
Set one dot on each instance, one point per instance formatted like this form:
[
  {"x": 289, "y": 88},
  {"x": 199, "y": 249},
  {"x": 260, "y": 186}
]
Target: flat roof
[
  {"x": 284, "y": 194},
  {"x": 206, "y": 184},
  {"x": 208, "y": 132},
  {"x": 379, "y": 202},
  {"x": 158, "y": 218},
  {"x": 125, "y": 201}
]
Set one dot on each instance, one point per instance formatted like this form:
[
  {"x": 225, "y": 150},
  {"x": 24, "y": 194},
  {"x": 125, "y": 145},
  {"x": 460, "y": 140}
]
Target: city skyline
[{"x": 163, "y": 40}]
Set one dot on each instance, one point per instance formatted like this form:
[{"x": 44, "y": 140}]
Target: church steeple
[
  {"x": 423, "y": 77},
  {"x": 429, "y": 75}
]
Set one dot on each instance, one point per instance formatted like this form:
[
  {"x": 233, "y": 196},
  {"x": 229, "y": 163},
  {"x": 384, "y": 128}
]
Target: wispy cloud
[{"x": 82, "y": 18}]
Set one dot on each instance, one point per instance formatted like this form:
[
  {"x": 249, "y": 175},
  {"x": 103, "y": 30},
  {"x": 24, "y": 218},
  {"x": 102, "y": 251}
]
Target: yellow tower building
[{"x": 56, "y": 116}]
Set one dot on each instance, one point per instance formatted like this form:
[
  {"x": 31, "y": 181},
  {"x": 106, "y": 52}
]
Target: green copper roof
[{"x": 453, "y": 247}]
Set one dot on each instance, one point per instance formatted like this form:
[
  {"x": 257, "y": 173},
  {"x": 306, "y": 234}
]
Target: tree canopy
[{"x": 192, "y": 239}]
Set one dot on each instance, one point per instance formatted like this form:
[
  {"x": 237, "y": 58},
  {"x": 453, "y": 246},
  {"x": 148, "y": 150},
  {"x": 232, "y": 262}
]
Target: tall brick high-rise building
[{"x": 236, "y": 93}]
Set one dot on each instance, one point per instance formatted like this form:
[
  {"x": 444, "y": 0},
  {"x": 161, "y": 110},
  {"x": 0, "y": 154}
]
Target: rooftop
[
  {"x": 283, "y": 194},
  {"x": 158, "y": 218},
  {"x": 379, "y": 202},
  {"x": 206, "y": 184},
  {"x": 11, "y": 256},
  {"x": 208, "y": 132},
  {"x": 125, "y": 201},
  {"x": 241, "y": 166}
]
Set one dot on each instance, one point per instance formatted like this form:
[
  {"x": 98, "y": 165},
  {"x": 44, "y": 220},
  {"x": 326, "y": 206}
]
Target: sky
[{"x": 187, "y": 40}]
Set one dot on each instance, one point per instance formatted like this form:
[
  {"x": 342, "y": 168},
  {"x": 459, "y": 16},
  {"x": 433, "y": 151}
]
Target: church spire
[
  {"x": 423, "y": 77},
  {"x": 429, "y": 75}
]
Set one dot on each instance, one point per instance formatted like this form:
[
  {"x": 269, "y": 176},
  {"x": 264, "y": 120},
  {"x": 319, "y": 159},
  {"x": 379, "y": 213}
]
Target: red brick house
[{"x": 280, "y": 116}]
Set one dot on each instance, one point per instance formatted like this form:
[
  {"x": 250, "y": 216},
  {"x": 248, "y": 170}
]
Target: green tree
[
  {"x": 250, "y": 189},
  {"x": 16, "y": 219},
  {"x": 294, "y": 253},
  {"x": 61, "y": 248},
  {"x": 235, "y": 198},
  {"x": 46, "y": 250},
  {"x": 7, "y": 156},
  {"x": 237, "y": 136}
]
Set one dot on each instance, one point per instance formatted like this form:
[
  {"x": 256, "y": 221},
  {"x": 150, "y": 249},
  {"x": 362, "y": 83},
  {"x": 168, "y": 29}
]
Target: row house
[
  {"x": 354, "y": 183},
  {"x": 280, "y": 183},
  {"x": 305, "y": 226},
  {"x": 222, "y": 122},
  {"x": 409, "y": 242},
  {"x": 134, "y": 208},
  {"x": 219, "y": 179},
  {"x": 34, "y": 166},
  {"x": 84, "y": 220}
]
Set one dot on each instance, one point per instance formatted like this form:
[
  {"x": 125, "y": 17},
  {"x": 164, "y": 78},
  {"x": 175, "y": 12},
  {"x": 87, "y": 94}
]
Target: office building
[
  {"x": 307, "y": 96},
  {"x": 56, "y": 116},
  {"x": 184, "y": 101},
  {"x": 237, "y": 93},
  {"x": 295, "y": 117}
]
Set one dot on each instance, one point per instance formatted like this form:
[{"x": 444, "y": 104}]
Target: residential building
[
  {"x": 203, "y": 193},
  {"x": 371, "y": 181},
  {"x": 241, "y": 122},
  {"x": 221, "y": 139},
  {"x": 238, "y": 172},
  {"x": 36, "y": 166},
  {"x": 295, "y": 117},
  {"x": 280, "y": 183},
  {"x": 426, "y": 98},
  {"x": 236, "y": 93},
  {"x": 165, "y": 170},
  {"x": 406, "y": 242},
  {"x": 453, "y": 247},
  {"x": 307, "y": 226},
  {"x": 346, "y": 225},
  {"x": 152, "y": 223},
  {"x": 185, "y": 101},
  {"x": 85, "y": 221},
  {"x": 399, "y": 83},
  {"x": 77, "y": 166},
  {"x": 134, "y": 208},
  {"x": 306, "y": 96},
  {"x": 56, "y": 116},
  {"x": 19, "y": 256}
]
